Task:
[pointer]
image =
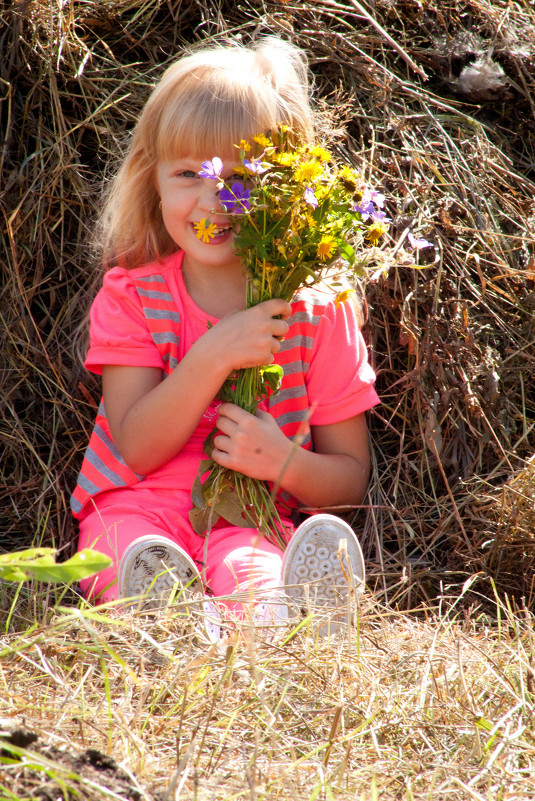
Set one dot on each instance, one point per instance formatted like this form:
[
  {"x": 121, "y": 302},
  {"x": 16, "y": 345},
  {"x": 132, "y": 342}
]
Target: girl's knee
[
  {"x": 102, "y": 587},
  {"x": 243, "y": 563}
]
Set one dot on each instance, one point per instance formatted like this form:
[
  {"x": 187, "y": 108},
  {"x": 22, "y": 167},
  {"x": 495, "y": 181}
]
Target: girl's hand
[
  {"x": 335, "y": 473},
  {"x": 251, "y": 337},
  {"x": 251, "y": 444}
]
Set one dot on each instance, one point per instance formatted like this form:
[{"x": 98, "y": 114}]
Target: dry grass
[{"x": 403, "y": 706}]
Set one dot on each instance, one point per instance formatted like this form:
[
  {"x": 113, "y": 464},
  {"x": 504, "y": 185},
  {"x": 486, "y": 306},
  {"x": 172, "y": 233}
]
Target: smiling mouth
[{"x": 220, "y": 230}]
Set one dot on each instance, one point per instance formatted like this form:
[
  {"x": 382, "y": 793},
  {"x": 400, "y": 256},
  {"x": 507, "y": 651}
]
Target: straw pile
[{"x": 435, "y": 104}]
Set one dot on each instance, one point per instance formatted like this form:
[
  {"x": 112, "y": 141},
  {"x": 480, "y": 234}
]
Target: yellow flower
[
  {"x": 280, "y": 247},
  {"x": 205, "y": 231},
  {"x": 320, "y": 154},
  {"x": 326, "y": 247},
  {"x": 348, "y": 177},
  {"x": 343, "y": 296},
  {"x": 375, "y": 231},
  {"x": 262, "y": 140},
  {"x": 308, "y": 171},
  {"x": 238, "y": 169},
  {"x": 284, "y": 159},
  {"x": 321, "y": 192},
  {"x": 244, "y": 145}
]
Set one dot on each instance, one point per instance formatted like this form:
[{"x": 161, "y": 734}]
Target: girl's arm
[
  {"x": 151, "y": 419},
  {"x": 335, "y": 473}
]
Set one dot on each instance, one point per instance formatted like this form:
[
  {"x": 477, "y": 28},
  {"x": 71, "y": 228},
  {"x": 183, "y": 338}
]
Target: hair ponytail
[{"x": 285, "y": 68}]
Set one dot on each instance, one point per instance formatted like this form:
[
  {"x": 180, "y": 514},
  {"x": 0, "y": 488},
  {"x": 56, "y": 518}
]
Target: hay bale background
[{"x": 452, "y": 146}]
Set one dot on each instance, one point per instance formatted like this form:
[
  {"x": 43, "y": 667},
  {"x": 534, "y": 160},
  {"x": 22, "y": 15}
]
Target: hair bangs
[{"x": 209, "y": 117}]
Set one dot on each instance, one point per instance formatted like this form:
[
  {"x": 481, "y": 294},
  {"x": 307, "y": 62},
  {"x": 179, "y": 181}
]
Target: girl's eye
[{"x": 186, "y": 174}]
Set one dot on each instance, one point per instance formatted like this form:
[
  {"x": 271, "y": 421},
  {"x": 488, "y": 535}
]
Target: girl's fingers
[
  {"x": 252, "y": 336},
  {"x": 226, "y": 427},
  {"x": 220, "y": 442},
  {"x": 231, "y": 413},
  {"x": 277, "y": 307},
  {"x": 280, "y": 328}
]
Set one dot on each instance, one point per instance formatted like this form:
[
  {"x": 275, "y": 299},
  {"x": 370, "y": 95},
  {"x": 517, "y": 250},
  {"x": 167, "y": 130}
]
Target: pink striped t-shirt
[{"x": 324, "y": 357}]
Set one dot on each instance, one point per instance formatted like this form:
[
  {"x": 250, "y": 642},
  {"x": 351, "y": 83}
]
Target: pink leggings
[{"x": 237, "y": 559}]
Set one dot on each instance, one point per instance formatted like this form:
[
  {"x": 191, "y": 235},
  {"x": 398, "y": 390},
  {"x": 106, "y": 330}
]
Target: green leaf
[
  {"x": 227, "y": 505},
  {"x": 200, "y": 518},
  {"x": 272, "y": 376},
  {"x": 40, "y": 564},
  {"x": 197, "y": 494},
  {"x": 230, "y": 508},
  {"x": 347, "y": 251}
]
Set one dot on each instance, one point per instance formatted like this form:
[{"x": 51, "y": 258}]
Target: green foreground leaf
[{"x": 40, "y": 564}]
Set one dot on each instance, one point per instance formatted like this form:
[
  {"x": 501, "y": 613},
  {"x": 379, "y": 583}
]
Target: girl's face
[{"x": 186, "y": 198}]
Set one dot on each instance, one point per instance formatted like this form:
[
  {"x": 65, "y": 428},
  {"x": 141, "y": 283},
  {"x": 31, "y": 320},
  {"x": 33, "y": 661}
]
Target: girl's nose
[{"x": 209, "y": 198}]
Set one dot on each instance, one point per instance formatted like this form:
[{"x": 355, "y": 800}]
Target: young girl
[{"x": 169, "y": 326}]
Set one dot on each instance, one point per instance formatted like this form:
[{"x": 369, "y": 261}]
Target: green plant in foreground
[{"x": 40, "y": 564}]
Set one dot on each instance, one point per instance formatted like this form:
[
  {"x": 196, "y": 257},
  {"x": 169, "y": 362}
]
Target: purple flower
[
  {"x": 370, "y": 202},
  {"x": 310, "y": 198},
  {"x": 235, "y": 199},
  {"x": 370, "y": 206},
  {"x": 380, "y": 216},
  {"x": 365, "y": 208},
  {"x": 256, "y": 167},
  {"x": 378, "y": 198},
  {"x": 418, "y": 244},
  {"x": 211, "y": 169}
]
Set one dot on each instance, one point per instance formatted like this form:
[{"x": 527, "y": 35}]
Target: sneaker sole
[
  {"x": 312, "y": 558},
  {"x": 153, "y": 567}
]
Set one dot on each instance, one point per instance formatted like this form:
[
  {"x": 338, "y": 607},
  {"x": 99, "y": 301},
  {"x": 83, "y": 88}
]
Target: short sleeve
[
  {"x": 340, "y": 380},
  {"x": 118, "y": 331}
]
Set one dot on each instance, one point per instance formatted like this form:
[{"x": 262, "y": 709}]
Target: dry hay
[
  {"x": 505, "y": 544},
  {"x": 453, "y": 343}
]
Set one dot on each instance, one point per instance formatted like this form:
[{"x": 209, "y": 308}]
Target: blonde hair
[{"x": 204, "y": 103}]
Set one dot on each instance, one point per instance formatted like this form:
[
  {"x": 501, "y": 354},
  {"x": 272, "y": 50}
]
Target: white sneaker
[
  {"x": 154, "y": 566},
  {"x": 314, "y": 558},
  {"x": 271, "y": 614},
  {"x": 212, "y": 621}
]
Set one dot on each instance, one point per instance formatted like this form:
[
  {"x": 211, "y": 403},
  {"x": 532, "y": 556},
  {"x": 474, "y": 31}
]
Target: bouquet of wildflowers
[{"x": 295, "y": 213}]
